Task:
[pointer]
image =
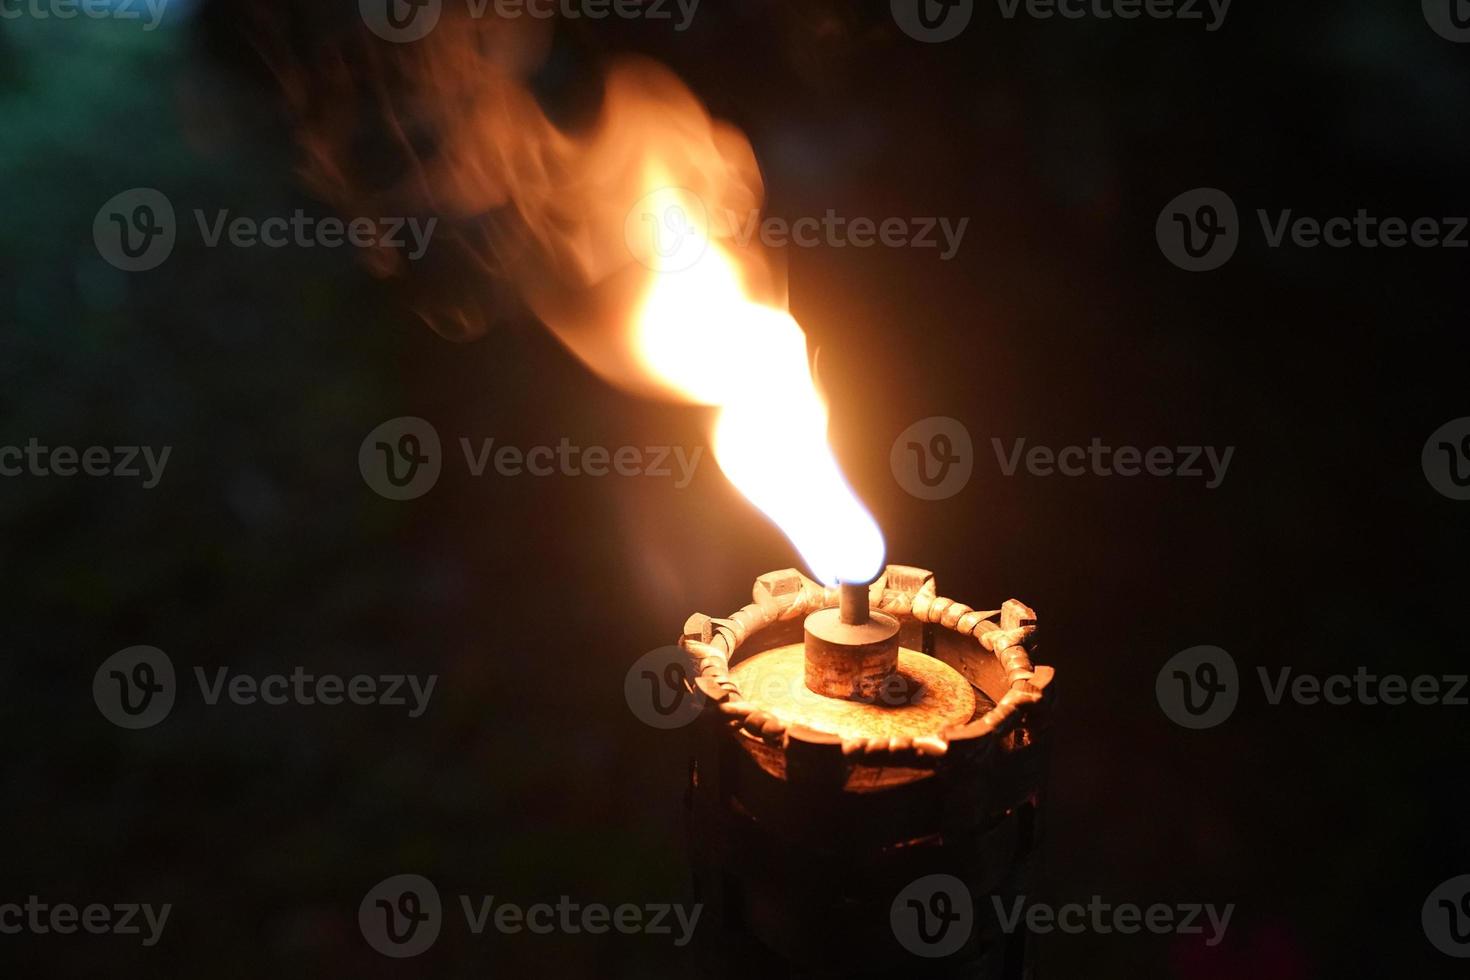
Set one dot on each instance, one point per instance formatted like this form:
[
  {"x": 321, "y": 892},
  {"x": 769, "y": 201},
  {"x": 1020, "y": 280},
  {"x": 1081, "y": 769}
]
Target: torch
[
  {"x": 854, "y": 740},
  {"x": 859, "y": 732}
]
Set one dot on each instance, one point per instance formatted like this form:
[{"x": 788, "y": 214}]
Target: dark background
[{"x": 262, "y": 549}]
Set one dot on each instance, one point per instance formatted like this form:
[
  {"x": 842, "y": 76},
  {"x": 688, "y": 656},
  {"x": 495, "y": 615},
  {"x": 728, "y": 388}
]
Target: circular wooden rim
[{"x": 904, "y": 592}]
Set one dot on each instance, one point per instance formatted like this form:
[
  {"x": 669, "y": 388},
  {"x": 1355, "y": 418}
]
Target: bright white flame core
[{"x": 702, "y": 335}]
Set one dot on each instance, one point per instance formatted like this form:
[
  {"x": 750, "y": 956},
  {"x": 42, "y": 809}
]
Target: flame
[
  {"x": 564, "y": 215},
  {"x": 700, "y": 333}
]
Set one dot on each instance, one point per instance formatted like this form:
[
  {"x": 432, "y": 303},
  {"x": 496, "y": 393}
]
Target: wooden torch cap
[{"x": 850, "y": 660}]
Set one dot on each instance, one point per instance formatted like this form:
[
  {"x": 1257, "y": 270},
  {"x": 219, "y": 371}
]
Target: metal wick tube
[
  {"x": 851, "y": 651},
  {"x": 852, "y": 603}
]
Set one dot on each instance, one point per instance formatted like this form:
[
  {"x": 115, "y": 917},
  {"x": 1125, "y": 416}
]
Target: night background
[{"x": 262, "y": 548}]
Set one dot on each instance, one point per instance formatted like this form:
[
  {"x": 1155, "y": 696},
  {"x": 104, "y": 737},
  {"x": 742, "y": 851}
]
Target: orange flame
[
  {"x": 700, "y": 334},
  {"x": 568, "y": 213}
]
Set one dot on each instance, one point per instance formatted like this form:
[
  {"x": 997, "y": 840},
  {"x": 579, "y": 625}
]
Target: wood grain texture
[{"x": 775, "y": 681}]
